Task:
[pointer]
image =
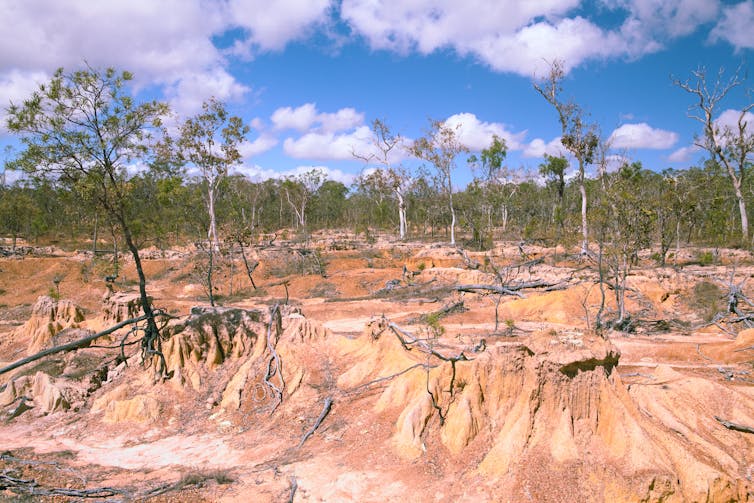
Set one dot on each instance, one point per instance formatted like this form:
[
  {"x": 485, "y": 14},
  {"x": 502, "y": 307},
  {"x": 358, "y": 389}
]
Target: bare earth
[{"x": 438, "y": 408}]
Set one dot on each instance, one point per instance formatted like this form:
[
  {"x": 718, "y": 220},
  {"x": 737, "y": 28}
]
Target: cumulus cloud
[
  {"x": 263, "y": 143},
  {"x": 735, "y": 26},
  {"x": 477, "y": 135},
  {"x": 684, "y": 154},
  {"x": 15, "y": 87},
  {"x": 271, "y": 25},
  {"x": 728, "y": 119},
  {"x": 187, "y": 93},
  {"x": 538, "y": 148},
  {"x": 168, "y": 43},
  {"x": 642, "y": 135},
  {"x": 307, "y": 117},
  {"x": 329, "y": 145},
  {"x": 299, "y": 118},
  {"x": 520, "y": 37}
]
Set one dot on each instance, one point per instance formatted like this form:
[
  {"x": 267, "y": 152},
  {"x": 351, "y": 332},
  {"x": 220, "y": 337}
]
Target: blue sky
[{"x": 310, "y": 75}]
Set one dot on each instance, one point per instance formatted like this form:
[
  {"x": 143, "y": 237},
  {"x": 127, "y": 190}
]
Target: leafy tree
[
  {"x": 210, "y": 141},
  {"x": 578, "y": 136},
  {"x": 299, "y": 189},
  {"x": 624, "y": 226},
  {"x": 730, "y": 146},
  {"x": 389, "y": 178},
  {"x": 487, "y": 191},
  {"x": 84, "y": 130},
  {"x": 17, "y": 211},
  {"x": 441, "y": 147}
]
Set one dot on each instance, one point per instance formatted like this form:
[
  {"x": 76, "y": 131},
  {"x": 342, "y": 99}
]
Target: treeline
[{"x": 692, "y": 206}]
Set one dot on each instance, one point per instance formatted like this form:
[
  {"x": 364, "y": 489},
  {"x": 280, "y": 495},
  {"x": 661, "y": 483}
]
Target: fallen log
[
  {"x": 77, "y": 344},
  {"x": 511, "y": 289},
  {"x": 734, "y": 426}
]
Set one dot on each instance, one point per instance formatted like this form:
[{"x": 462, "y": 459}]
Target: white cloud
[
  {"x": 329, "y": 146},
  {"x": 642, "y": 135},
  {"x": 299, "y": 118},
  {"x": 258, "y": 173},
  {"x": 521, "y": 37},
  {"x": 477, "y": 135},
  {"x": 187, "y": 93},
  {"x": 538, "y": 148},
  {"x": 343, "y": 119},
  {"x": 15, "y": 87},
  {"x": 307, "y": 117},
  {"x": 272, "y": 25},
  {"x": 728, "y": 119},
  {"x": 736, "y": 25},
  {"x": 263, "y": 143},
  {"x": 168, "y": 42},
  {"x": 683, "y": 154}
]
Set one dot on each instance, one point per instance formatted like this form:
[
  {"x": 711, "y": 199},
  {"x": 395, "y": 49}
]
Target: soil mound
[
  {"x": 543, "y": 416},
  {"x": 48, "y": 318}
]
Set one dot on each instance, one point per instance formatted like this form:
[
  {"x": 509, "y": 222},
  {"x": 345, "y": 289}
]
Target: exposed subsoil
[{"x": 425, "y": 406}]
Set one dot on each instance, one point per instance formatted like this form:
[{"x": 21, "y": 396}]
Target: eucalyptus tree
[
  {"x": 625, "y": 220},
  {"x": 210, "y": 141},
  {"x": 84, "y": 130},
  {"x": 441, "y": 147},
  {"x": 487, "y": 187},
  {"x": 298, "y": 191},
  {"x": 732, "y": 146},
  {"x": 394, "y": 178},
  {"x": 578, "y": 136}
]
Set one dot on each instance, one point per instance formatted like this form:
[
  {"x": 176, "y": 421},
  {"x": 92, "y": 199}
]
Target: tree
[
  {"x": 487, "y": 190},
  {"x": 578, "y": 137},
  {"x": 83, "y": 130},
  {"x": 210, "y": 142},
  {"x": 441, "y": 147},
  {"x": 299, "y": 190},
  {"x": 394, "y": 178},
  {"x": 554, "y": 169},
  {"x": 730, "y": 146},
  {"x": 625, "y": 220}
]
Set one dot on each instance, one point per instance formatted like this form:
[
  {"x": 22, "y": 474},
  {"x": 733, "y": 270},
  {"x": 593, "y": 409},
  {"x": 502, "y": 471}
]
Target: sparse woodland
[{"x": 495, "y": 310}]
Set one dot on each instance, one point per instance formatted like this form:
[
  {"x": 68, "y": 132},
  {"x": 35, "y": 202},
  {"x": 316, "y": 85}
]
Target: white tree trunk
[
  {"x": 742, "y": 210},
  {"x": 584, "y": 228},
  {"x": 212, "y": 232},
  {"x": 452, "y": 220},
  {"x": 401, "y": 214}
]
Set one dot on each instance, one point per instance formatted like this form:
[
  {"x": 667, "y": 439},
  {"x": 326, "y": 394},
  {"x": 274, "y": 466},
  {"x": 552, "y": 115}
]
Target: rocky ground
[{"x": 363, "y": 372}]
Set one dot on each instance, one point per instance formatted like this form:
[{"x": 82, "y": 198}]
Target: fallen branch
[
  {"x": 489, "y": 288},
  {"x": 511, "y": 289},
  {"x": 734, "y": 426},
  {"x": 325, "y": 410},
  {"x": 31, "y": 487},
  {"x": 386, "y": 378},
  {"x": 77, "y": 344},
  {"x": 455, "y": 307}
]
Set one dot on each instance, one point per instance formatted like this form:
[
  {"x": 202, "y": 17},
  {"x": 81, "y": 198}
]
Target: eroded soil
[{"x": 429, "y": 400}]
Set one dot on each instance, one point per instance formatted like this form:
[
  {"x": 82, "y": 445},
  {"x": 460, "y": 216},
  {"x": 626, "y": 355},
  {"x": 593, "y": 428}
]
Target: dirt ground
[{"x": 420, "y": 392}]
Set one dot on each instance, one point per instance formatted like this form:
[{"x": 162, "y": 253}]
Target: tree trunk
[
  {"x": 584, "y": 228},
  {"x": 151, "y": 341},
  {"x": 212, "y": 233},
  {"x": 401, "y": 214},
  {"x": 94, "y": 238},
  {"x": 209, "y": 276},
  {"x": 744, "y": 216},
  {"x": 452, "y": 222}
]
